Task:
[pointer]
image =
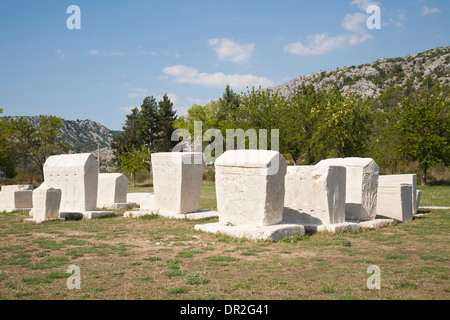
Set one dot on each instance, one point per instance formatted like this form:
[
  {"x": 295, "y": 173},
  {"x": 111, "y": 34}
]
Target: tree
[
  {"x": 166, "y": 118},
  {"x": 134, "y": 160},
  {"x": 228, "y": 104},
  {"x": 8, "y": 158},
  {"x": 147, "y": 122},
  {"x": 425, "y": 126},
  {"x": 37, "y": 142}
]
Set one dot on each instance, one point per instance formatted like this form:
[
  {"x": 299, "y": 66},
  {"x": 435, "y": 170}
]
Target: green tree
[
  {"x": 8, "y": 158},
  {"x": 166, "y": 117},
  {"x": 39, "y": 142},
  {"x": 228, "y": 105},
  {"x": 425, "y": 126},
  {"x": 134, "y": 160},
  {"x": 147, "y": 122}
]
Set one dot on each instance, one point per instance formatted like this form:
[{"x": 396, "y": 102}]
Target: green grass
[
  {"x": 167, "y": 259},
  {"x": 435, "y": 195}
]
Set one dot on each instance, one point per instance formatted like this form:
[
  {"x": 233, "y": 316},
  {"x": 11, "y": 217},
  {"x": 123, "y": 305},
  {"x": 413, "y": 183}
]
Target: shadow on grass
[
  {"x": 147, "y": 185},
  {"x": 439, "y": 183}
]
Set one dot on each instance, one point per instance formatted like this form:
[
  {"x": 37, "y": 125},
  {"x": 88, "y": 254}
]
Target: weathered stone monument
[
  {"x": 395, "y": 201},
  {"x": 16, "y": 198},
  {"x": 250, "y": 196},
  {"x": 112, "y": 191},
  {"x": 76, "y": 175},
  {"x": 177, "y": 182},
  {"x": 399, "y": 179},
  {"x": 361, "y": 186},
  {"x": 315, "y": 195},
  {"x": 418, "y": 198},
  {"x": 46, "y": 203}
]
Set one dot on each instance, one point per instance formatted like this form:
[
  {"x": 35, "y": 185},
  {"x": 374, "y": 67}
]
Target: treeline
[
  {"x": 23, "y": 143},
  {"x": 402, "y": 125}
]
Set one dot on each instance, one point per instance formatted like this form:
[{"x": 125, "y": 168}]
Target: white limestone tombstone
[
  {"x": 46, "y": 201},
  {"x": 112, "y": 190},
  {"x": 399, "y": 179},
  {"x": 250, "y": 187},
  {"x": 315, "y": 195},
  {"x": 394, "y": 201},
  {"x": 18, "y": 187},
  {"x": 361, "y": 186},
  {"x": 418, "y": 198},
  {"x": 77, "y": 177},
  {"x": 177, "y": 181},
  {"x": 142, "y": 199},
  {"x": 19, "y": 200}
]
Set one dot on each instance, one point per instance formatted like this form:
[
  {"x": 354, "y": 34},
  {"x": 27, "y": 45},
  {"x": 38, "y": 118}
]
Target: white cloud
[
  {"x": 93, "y": 52},
  {"x": 323, "y": 43},
  {"x": 364, "y": 4},
  {"x": 355, "y": 22},
  {"x": 60, "y": 54},
  {"x": 138, "y": 93},
  {"x": 196, "y": 100},
  {"x": 172, "y": 96},
  {"x": 128, "y": 109},
  {"x": 228, "y": 50},
  {"x": 427, "y": 11},
  {"x": 184, "y": 74},
  {"x": 320, "y": 43},
  {"x": 117, "y": 53}
]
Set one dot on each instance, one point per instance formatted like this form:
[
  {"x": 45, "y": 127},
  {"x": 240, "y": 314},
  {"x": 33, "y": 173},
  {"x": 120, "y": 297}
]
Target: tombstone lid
[{"x": 248, "y": 158}]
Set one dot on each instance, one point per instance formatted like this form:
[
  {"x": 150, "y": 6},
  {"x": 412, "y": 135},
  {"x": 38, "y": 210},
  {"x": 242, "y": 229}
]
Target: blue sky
[{"x": 126, "y": 50}]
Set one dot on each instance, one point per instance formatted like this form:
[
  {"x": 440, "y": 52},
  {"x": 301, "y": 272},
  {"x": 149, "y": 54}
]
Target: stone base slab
[
  {"x": 120, "y": 206},
  {"x": 376, "y": 223},
  {"x": 271, "y": 233},
  {"x": 201, "y": 214},
  {"x": 86, "y": 215},
  {"x": 54, "y": 220},
  {"x": 333, "y": 228}
]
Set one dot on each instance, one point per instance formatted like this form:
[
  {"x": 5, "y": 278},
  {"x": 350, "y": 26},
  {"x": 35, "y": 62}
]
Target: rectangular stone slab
[
  {"x": 250, "y": 187},
  {"x": 76, "y": 175},
  {"x": 399, "y": 179},
  {"x": 46, "y": 203},
  {"x": 112, "y": 189},
  {"x": 361, "y": 186},
  {"x": 394, "y": 201},
  {"x": 177, "y": 181},
  {"x": 315, "y": 194}
]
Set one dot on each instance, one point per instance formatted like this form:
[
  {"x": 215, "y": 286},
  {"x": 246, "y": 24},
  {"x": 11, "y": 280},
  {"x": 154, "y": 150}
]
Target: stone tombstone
[
  {"x": 46, "y": 203},
  {"x": 250, "y": 187},
  {"x": 394, "y": 201},
  {"x": 418, "y": 198},
  {"x": 315, "y": 195},
  {"x": 361, "y": 186},
  {"x": 76, "y": 175},
  {"x": 12, "y": 200},
  {"x": 18, "y": 187},
  {"x": 112, "y": 189},
  {"x": 177, "y": 181},
  {"x": 399, "y": 179}
]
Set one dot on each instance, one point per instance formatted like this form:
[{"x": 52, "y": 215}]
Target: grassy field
[{"x": 157, "y": 258}]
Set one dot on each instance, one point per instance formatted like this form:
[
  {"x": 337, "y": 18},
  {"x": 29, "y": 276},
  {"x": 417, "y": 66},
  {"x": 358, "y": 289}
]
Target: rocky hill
[
  {"x": 82, "y": 135},
  {"x": 369, "y": 80}
]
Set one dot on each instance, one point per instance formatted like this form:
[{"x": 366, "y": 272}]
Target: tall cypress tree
[{"x": 166, "y": 117}]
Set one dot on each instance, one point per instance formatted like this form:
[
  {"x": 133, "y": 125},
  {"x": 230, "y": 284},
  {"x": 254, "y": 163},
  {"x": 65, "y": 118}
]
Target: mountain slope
[
  {"x": 369, "y": 80},
  {"x": 82, "y": 135}
]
